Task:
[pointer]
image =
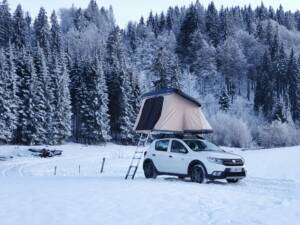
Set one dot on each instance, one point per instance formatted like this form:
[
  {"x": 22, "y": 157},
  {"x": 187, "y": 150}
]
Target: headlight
[
  {"x": 215, "y": 160},
  {"x": 243, "y": 160}
]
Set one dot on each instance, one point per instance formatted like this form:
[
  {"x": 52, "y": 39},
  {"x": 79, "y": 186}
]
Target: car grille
[{"x": 233, "y": 162}]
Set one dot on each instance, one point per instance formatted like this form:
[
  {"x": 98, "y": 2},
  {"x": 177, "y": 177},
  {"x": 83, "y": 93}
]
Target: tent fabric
[
  {"x": 167, "y": 91},
  {"x": 171, "y": 111}
]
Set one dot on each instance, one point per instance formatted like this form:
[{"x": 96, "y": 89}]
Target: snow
[{"x": 31, "y": 195}]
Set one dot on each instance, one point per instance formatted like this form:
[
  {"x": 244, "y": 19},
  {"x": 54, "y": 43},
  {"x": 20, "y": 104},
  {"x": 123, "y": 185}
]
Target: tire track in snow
[{"x": 11, "y": 170}]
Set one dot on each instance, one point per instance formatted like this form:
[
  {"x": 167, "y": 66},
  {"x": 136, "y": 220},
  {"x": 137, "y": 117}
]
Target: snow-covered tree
[
  {"x": 61, "y": 103},
  {"x": 188, "y": 27},
  {"x": 204, "y": 66},
  {"x": 5, "y": 24},
  {"x": 293, "y": 73},
  {"x": 127, "y": 113},
  {"x": 165, "y": 67},
  {"x": 6, "y": 113},
  {"x": 42, "y": 31},
  {"x": 213, "y": 24},
  {"x": 42, "y": 96},
  {"x": 55, "y": 35},
  {"x": 232, "y": 64},
  {"x": 224, "y": 101},
  {"x": 102, "y": 93},
  {"x": 19, "y": 28}
]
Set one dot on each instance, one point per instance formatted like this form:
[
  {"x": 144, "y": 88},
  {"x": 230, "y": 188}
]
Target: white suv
[{"x": 194, "y": 158}]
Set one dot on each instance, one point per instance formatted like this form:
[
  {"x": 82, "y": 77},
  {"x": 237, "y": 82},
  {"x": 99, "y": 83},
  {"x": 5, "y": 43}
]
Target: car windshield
[{"x": 202, "y": 145}]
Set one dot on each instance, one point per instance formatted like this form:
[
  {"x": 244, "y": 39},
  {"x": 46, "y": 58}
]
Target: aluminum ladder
[{"x": 137, "y": 156}]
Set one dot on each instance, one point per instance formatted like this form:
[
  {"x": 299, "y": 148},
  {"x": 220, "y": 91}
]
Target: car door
[
  {"x": 178, "y": 157},
  {"x": 160, "y": 155}
]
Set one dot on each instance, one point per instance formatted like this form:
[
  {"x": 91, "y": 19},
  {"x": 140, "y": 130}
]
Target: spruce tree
[
  {"x": 261, "y": 12},
  {"x": 6, "y": 114},
  {"x": 42, "y": 97},
  {"x": 24, "y": 70},
  {"x": 212, "y": 24},
  {"x": 127, "y": 112},
  {"x": 232, "y": 63},
  {"x": 19, "y": 28},
  {"x": 114, "y": 51},
  {"x": 55, "y": 35},
  {"x": 102, "y": 96},
  {"x": 42, "y": 31},
  {"x": 161, "y": 69},
  {"x": 5, "y": 24},
  {"x": 280, "y": 68},
  {"x": 28, "y": 31},
  {"x": 280, "y": 15},
  {"x": 293, "y": 74},
  {"x": 260, "y": 33},
  {"x": 120, "y": 92},
  {"x": 278, "y": 114},
  {"x": 12, "y": 89},
  {"x": 188, "y": 27},
  {"x": 264, "y": 93},
  {"x": 249, "y": 19},
  {"x": 205, "y": 66},
  {"x": 224, "y": 102},
  {"x": 61, "y": 103},
  {"x": 224, "y": 25}
]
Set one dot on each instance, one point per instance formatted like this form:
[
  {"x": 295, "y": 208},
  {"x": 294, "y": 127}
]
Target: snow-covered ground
[{"x": 30, "y": 194}]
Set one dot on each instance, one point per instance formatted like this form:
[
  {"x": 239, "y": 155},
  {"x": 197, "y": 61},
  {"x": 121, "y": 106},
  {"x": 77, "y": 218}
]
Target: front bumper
[{"x": 227, "y": 174}]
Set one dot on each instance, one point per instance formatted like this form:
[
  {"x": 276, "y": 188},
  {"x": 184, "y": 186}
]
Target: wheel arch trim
[{"x": 193, "y": 163}]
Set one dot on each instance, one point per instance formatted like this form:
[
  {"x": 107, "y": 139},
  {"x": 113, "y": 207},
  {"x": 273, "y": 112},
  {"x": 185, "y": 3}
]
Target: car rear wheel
[
  {"x": 197, "y": 174},
  {"x": 232, "y": 180},
  {"x": 149, "y": 170}
]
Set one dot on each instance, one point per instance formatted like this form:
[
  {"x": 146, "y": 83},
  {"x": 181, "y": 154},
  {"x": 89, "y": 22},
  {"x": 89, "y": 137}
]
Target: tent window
[
  {"x": 151, "y": 113},
  {"x": 162, "y": 145}
]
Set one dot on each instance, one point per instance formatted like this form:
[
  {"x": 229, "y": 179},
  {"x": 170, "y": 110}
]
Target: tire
[
  {"x": 197, "y": 174},
  {"x": 149, "y": 170},
  {"x": 181, "y": 177},
  {"x": 233, "y": 181}
]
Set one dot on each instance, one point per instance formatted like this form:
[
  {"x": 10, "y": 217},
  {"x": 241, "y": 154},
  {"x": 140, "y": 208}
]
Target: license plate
[{"x": 236, "y": 170}]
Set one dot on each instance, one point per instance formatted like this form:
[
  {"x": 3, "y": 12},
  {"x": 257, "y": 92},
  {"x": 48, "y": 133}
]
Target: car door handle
[
  {"x": 153, "y": 154},
  {"x": 170, "y": 156}
]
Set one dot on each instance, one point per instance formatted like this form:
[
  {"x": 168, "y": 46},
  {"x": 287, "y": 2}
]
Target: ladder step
[
  {"x": 131, "y": 166},
  {"x": 136, "y": 158},
  {"x": 139, "y": 152}
]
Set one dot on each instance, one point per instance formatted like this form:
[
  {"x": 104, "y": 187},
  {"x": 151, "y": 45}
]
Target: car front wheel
[
  {"x": 232, "y": 180},
  {"x": 149, "y": 170},
  {"x": 197, "y": 174}
]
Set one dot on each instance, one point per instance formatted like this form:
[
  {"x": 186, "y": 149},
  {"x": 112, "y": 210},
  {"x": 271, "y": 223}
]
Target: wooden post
[
  {"x": 102, "y": 166},
  {"x": 79, "y": 169},
  {"x": 55, "y": 167}
]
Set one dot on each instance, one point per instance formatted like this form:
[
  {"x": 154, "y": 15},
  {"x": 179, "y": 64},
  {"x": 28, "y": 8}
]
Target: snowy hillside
[
  {"x": 75, "y": 75},
  {"x": 31, "y": 195}
]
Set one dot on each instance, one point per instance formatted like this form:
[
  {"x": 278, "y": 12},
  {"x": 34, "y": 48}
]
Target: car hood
[{"x": 220, "y": 155}]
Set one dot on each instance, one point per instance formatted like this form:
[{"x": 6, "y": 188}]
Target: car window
[
  {"x": 162, "y": 145},
  {"x": 202, "y": 145},
  {"x": 178, "y": 147}
]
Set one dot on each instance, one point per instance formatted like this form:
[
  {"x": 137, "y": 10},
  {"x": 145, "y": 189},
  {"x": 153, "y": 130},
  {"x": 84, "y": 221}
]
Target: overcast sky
[{"x": 126, "y": 10}]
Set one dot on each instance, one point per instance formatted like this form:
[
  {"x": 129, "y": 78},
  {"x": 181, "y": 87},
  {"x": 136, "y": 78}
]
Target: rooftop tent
[{"x": 171, "y": 110}]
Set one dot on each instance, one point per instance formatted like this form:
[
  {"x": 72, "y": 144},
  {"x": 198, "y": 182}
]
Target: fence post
[
  {"x": 102, "y": 166},
  {"x": 55, "y": 167},
  {"x": 79, "y": 169}
]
